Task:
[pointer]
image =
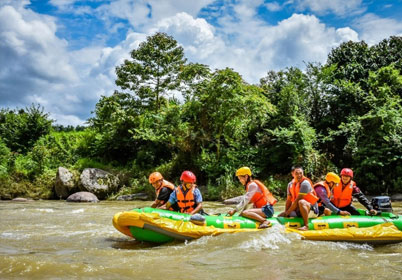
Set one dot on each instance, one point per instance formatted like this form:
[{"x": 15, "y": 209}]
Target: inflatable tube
[{"x": 160, "y": 226}]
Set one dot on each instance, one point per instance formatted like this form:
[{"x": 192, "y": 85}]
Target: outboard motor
[{"x": 381, "y": 203}]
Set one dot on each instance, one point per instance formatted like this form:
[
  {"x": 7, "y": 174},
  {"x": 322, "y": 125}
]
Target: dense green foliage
[{"x": 345, "y": 113}]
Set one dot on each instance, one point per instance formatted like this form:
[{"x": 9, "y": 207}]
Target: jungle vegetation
[{"x": 170, "y": 115}]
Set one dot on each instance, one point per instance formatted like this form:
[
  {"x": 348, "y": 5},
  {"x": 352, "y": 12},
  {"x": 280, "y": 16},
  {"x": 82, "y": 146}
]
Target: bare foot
[
  {"x": 265, "y": 224},
  {"x": 304, "y": 228}
]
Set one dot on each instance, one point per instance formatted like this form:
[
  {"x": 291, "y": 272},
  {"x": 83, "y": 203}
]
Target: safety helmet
[
  {"x": 155, "y": 176},
  {"x": 188, "y": 177},
  {"x": 243, "y": 171},
  {"x": 347, "y": 172},
  {"x": 332, "y": 177}
]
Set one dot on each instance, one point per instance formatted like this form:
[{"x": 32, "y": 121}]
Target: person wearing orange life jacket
[
  {"x": 187, "y": 196},
  {"x": 343, "y": 193},
  {"x": 262, "y": 199},
  {"x": 301, "y": 198},
  {"x": 163, "y": 189},
  {"x": 323, "y": 191}
]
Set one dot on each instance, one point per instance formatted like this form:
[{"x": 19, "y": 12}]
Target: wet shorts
[{"x": 268, "y": 210}]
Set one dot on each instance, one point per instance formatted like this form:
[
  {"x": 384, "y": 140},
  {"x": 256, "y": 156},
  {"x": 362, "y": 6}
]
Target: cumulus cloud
[
  {"x": 373, "y": 28},
  {"x": 143, "y": 14},
  {"x": 37, "y": 66},
  {"x": 338, "y": 7},
  {"x": 273, "y": 6},
  {"x": 30, "y": 52},
  {"x": 292, "y": 42}
]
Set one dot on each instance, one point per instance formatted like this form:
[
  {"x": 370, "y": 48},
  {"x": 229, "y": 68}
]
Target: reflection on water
[{"x": 54, "y": 239}]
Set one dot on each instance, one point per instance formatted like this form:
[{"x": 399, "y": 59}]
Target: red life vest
[
  {"x": 325, "y": 185},
  {"x": 342, "y": 196},
  {"x": 263, "y": 197},
  {"x": 294, "y": 190},
  {"x": 165, "y": 184},
  {"x": 185, "y": 201}
]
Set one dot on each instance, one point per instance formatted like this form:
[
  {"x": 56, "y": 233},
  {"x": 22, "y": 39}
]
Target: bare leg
[
  {"x": 304, "y": 208},
  {"x": 258, "y": 215}
]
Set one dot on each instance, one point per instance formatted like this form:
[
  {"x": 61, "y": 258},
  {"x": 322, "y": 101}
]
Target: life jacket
[
  {"x": 185, "y": 200},
  {"x": 325, "y": 185},
  {"x": 342, "y": 197},
  {"x": 263, "y": 197},
  {"x": 165, "y": 184},
  {"x": 294, "y": 190}
]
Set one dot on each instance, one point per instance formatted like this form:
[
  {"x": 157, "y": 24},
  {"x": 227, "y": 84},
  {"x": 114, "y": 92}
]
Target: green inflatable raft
[{"x": 161, "y": 226}]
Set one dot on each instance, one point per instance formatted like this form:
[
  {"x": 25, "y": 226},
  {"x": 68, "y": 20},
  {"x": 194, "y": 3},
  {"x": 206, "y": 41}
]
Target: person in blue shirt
[{"x": 187, "y": 196}]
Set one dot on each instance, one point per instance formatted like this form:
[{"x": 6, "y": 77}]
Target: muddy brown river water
[{"x": 59, "y": 240}]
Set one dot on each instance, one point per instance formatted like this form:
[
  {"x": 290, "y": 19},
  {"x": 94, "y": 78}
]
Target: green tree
[
  {"x": 21, "y": 129},
  {"x": 153, "y": 70}
]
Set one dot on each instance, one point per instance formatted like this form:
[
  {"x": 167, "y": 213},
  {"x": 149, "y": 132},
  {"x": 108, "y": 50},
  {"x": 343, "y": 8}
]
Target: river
[{"x": 60, "y": 240}]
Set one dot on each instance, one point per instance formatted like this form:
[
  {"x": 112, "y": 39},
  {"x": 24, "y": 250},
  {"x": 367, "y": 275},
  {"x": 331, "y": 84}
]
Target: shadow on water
[{"x": 124, "y": 244}]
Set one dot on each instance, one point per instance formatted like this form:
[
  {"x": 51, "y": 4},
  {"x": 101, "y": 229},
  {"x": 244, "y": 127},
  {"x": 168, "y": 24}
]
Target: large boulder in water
[
  {"x": 396, "y": 197},
  {"x": 82, "y": 197},
  {"x": 98, "y": 182},
  {"x": 135, "y": 196},
  {"x": 65, "y": 184}
]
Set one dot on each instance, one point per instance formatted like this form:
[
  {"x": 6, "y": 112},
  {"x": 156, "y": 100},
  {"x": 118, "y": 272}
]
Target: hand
[
  {"x": 283, "y": 214},
  {"x": 344, "y": 213},
  {"x": 373, "y": 212},
  {"x": 231, "y": 212}
]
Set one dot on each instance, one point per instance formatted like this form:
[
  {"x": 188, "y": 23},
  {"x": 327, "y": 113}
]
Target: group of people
[{"x": 304, "y": 199}]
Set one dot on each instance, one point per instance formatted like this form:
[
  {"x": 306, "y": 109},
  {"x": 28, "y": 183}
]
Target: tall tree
[{"x": 153, "y": 70}]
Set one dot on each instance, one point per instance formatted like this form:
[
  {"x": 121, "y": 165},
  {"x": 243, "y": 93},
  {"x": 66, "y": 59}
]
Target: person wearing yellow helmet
[
  {"x": 323, "y": 190},
  {"x": 256, "y": 193},
  {"x": 163, "y": 189}
]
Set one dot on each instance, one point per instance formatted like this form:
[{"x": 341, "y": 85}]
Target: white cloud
[
  {"x": 30, "y": 53},
  {"x": 338, "y": 7},
  {"x": 38, "y": 67},
  {"x": 273, "y": 6},
  {"x": 143, "y": 14},
  {"x": 292, "y": 42},
  {"x": 373, "y": 28}
]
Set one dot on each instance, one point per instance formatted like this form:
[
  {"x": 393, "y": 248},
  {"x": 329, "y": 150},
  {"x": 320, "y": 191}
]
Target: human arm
[
  {"x": 323, "y": 195},
  {"x": 197, "y": 209},
  {"x": 163, "y": 196},
  {"x": 245, "y": 200},
  {"x": 357, "y": 193},
  {"x": 172, "y": 200}
]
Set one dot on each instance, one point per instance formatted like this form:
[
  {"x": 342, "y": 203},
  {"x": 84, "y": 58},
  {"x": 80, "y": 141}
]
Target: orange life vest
[
  {"x": 325, "y": 185},
  {"x": 294, "y": 190},
  {"x": 185, "y": 201},
  {"x": 263, "y": 197},
  {"x": 342, "y": 197},
  {"x": 165, "y": 184}
]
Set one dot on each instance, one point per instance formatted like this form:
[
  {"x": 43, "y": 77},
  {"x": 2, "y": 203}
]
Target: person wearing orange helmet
[
  {"x": 323, "y": 191},
  {"x": 163, "y": 189},
  {"x": 343, "y": 193},
  {"x": 257, "y": 193},
  {"x": 187, "y": 196},
  {"x": 301, "y": 198}
]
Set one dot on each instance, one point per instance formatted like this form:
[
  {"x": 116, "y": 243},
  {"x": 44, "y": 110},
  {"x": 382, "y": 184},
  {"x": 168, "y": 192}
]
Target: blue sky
[{"x": 62, "y": 54}]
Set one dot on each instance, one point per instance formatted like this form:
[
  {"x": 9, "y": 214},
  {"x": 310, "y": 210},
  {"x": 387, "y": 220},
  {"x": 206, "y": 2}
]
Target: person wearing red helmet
[
  {"x": 343, "y": 193},
  {"x": 187, "y": 196},
  {"x": 163, "y": 189}
]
